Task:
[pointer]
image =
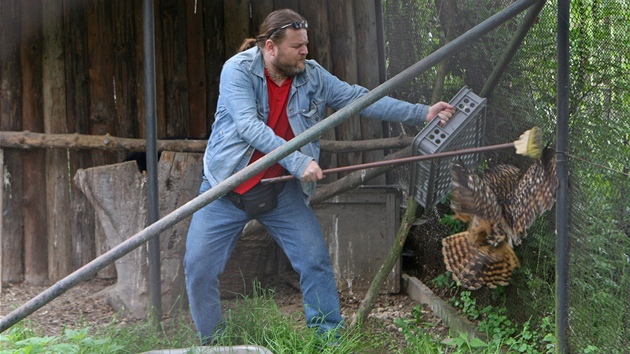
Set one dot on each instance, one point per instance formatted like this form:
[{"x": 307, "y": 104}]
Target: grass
[
  {"x": 257, "y": 320},
  {"x": 252, "y": 320}
]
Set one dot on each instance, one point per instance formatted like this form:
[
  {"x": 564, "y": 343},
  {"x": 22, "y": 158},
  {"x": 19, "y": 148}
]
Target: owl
[{"x": 499, "y": 207}]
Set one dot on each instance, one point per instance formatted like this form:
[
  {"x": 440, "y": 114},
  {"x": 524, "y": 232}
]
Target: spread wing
[
  {"x": 534, "y": 194},
  {"x": 472, "y": 197},
  {"x": 502, "y": 180}
]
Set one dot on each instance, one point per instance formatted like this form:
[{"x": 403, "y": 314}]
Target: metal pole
[
  {"x": 153, "y": 213},
  {"x": 230, "y": 183},
  {"x": 512, "y": 48},
  {"x": 562, "y": 241}
]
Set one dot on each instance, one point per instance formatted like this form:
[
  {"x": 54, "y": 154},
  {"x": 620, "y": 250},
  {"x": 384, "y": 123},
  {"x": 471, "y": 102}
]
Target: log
[
  {"x": 118, "y": 194},
  {"x": 30, "y": 140}
]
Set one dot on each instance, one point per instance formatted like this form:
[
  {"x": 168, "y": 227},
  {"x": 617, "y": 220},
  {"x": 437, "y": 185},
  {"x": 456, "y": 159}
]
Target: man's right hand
[{"x": 313, "y": 173}]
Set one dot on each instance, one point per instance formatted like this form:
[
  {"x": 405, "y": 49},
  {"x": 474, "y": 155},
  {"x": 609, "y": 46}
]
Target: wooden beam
[{"x": 29, "y": 140}]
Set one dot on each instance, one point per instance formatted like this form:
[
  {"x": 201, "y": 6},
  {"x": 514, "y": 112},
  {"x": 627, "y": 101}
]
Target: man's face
[{"x": 289, "y": 55}]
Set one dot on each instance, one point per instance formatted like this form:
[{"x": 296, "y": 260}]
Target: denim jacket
[{"x": 242, "y": 111}]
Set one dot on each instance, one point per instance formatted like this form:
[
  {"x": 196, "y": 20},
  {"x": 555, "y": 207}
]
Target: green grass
[
  {"x": 257, "y": 320},
  {"x": 252, "y": 320}
]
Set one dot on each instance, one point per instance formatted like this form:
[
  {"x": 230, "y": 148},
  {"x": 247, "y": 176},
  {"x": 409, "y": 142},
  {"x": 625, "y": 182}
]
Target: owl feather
[{"x": 499, "y": 207}]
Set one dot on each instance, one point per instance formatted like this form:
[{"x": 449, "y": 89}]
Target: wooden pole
[{"x": 29, "y": 140}]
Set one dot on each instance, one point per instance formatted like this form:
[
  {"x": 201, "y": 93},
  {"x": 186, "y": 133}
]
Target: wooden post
[
  {"x": 214, "y": 52},
  {"x": 10, "y": 120},
  {"x": 84, "y": 234},
  {"x": 57, "y": 174},
  {"x": 196, "y": 70},
  {"x": 176, "y": 90},
  {"x": 368, "y": 73},
  {"x": 344, "y": 64},
  {"x": 34, "y": 164}
]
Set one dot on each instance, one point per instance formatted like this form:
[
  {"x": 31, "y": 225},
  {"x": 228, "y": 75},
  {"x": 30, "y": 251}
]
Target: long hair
[{"x": 269, "y": 28}]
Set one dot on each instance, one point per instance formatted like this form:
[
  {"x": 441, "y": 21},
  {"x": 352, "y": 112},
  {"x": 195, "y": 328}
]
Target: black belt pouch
[{"x": 258, "y": 200}]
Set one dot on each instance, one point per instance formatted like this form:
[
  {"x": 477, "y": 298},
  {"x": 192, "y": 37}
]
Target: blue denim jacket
[{"x": 242, "y": 111}]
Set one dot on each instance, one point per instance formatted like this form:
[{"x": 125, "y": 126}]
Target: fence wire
[{"x": 599, "y": 149}]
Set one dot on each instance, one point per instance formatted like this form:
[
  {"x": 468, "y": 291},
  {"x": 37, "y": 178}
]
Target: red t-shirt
[{"x": 279, "y": 122}]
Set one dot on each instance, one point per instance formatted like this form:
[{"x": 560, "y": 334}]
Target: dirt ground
[{"x": 85, "y": 306}]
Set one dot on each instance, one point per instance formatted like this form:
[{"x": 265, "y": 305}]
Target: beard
[{"x": 290, "y": 69}]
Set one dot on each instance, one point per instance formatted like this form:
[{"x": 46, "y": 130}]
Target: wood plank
[
  {"x": 101, "y": 73},
  {"x": 77, "y": 109},
  {"x": 214, "y": 53},
  {"x": 160, "y": 90},
  {"x": 35, "y": 223},
  {"x": 286, "y": 4},
  {"x": 57, "y": 174},
  {"x": 260, "y": 11},
  {"x": 368, "y": 73},
  {"x": 125, "y": 73},
  {"x": 11, "y": 119},
  {"x": 236, "y": 25},
  {"x": 196, "y": 71},
  {"x": 316, "y": 13},
  {"x": 344, "y": 65},
  {"x": 176, "y": 94}
]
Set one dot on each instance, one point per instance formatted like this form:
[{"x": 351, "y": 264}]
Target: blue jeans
[{"x": 212, "y": 236}]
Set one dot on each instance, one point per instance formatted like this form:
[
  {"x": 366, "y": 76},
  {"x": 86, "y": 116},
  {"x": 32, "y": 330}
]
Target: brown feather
[{"x": 499, "y": 207}]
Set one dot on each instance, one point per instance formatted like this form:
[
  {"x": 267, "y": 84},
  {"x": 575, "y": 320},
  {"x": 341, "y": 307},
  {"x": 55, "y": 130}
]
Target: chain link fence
[{"x": 599, "y": 150}]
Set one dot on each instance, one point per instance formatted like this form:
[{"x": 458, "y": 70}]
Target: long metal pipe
[
  {"x": 401, "y": 160},
  {"x": 562, "y": 170},
  {"x": 230, "y": 183},
  {"x": 153, "y": 212}
]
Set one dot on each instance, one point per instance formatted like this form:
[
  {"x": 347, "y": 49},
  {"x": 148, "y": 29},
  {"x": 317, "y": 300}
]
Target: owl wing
[
  {"x": 534, "y": 194},
  {"x": 474, "y": 263},
  {"x": 472, "y": 197},
  {"x": 502, "y": 179}
]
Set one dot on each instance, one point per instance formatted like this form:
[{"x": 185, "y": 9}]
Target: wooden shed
[{"x": 76, "y": 66}]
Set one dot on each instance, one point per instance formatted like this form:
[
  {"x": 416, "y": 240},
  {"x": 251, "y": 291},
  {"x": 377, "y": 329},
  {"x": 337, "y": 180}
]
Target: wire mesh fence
[{"x": 599, "y": 148}]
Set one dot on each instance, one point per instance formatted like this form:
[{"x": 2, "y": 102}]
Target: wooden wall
[{"x": 71, "y": 66}]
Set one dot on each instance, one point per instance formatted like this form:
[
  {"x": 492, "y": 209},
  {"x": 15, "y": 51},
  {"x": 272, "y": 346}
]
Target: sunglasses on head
[{"x": 296, "y": 25}]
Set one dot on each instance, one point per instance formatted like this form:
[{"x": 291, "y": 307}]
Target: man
[{"x": 268, "y": 94}]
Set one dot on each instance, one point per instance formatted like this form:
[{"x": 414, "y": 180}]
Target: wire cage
[{"x": 431, "y": 179}]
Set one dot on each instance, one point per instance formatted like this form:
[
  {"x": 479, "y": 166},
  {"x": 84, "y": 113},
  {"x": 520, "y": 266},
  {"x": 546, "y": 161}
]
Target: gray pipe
[
  {"x": 230, "y": 183},
  {"x": 153, "y": 212}
]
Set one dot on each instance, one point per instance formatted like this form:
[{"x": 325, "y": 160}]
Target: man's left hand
[{"x": 441, "y": 109}]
